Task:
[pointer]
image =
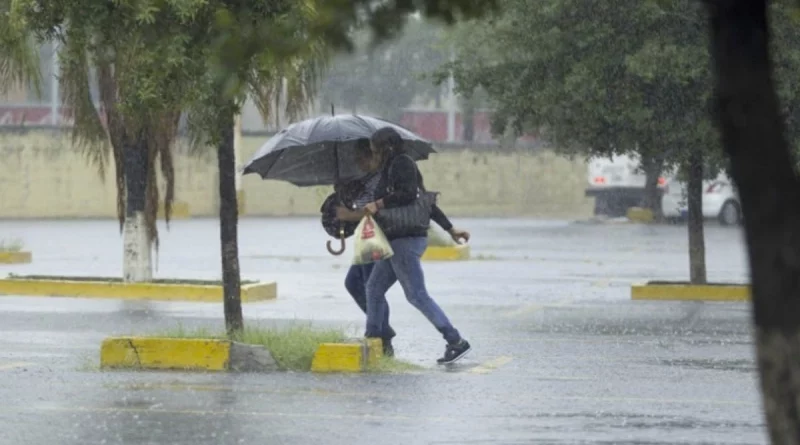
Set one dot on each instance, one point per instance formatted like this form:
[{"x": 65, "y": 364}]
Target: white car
[
  {"x": 617, "y": 184},
  {"x": 720, "y": 201}
]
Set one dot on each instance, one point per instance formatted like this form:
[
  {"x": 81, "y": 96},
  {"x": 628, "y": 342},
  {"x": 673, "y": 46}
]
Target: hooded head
[{"x": 386, "y": 142}]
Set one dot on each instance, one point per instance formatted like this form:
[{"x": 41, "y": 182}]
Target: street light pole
[
  {"x": 54, "y": 91},
  {"x": 451, "y": 103},
  {"x": 237, "y": 156}
]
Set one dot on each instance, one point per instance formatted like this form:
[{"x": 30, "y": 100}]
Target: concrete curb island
[
  {"x": 356, "y": 355},
  {"x": 100, "y": 287},
  {"x": 677, "y": 291},
  {"x": 640, "y": 215},
  {"x": 185, "y": 354},
  {"x": 16, "y": 257},
  {"x": 460, "y": 252}
]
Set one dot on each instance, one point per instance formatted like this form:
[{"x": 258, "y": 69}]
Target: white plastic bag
[{"x": 371, "y": 244}]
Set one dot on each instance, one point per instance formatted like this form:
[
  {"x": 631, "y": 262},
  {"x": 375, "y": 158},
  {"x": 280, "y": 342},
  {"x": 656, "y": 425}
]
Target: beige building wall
[{"x": 43, "y": 176}]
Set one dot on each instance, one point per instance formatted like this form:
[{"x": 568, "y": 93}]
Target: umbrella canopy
[{"x": 321, "y": 151}]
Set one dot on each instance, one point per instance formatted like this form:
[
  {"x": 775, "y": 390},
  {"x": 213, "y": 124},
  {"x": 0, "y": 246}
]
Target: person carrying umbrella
[
  {"x": 320, "y": 151},
  {"x": 400, "y": 186},
  {"x": 356, "y": 195}
]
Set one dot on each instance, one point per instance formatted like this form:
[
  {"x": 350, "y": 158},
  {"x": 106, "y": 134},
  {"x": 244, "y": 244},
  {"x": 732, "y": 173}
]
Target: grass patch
[
  {"x": 293, "y": 348},
  {"x": 120, "y": 280},
  {"x": 391, "y": 365},
  {"x": 11, "y": 245}
]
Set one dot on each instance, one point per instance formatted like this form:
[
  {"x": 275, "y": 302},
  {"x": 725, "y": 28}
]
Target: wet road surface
[{"x": 561, "y": 354}]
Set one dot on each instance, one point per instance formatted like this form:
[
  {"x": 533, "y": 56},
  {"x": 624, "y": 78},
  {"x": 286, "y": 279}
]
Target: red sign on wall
[{"x": 432, "y": 125}]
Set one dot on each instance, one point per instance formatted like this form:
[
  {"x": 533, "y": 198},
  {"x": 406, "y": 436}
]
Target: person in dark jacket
[
  {"x": 362, "y": 193},
  {"x": 354, "y": 195},
  {"x": 399, "y": 186}
]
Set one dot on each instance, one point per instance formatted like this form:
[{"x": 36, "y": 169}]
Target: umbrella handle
[
  {"x": 342, "y": 246},
  {"x": 335, "y": 252}
]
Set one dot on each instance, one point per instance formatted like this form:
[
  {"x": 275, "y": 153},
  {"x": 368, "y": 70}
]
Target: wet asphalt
[{"x": 561, "y": 354}]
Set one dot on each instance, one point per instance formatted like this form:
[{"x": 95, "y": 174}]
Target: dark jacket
[
  {"x": 400, "y": 181},
  {"x": 348, "y": 193}
]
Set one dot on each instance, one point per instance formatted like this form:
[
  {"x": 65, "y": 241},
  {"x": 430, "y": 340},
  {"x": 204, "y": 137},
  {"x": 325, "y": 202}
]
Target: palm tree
[
  {"x": 136, "y": 142},
  {"x": 146, "y": 80},
  {"x": 151, "y": 65},
  {"x": 137, "y": 139},
  {"x": 19, "y": 58}
]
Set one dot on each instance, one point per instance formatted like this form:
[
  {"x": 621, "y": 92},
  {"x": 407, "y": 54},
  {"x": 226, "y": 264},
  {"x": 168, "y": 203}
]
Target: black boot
[{"x": 388, "y": 349}]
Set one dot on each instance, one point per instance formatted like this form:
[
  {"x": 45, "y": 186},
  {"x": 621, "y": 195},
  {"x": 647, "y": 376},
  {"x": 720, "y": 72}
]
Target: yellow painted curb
[
  {"x": 211, "y": 293},
  {"x": 355, "y": 356},
  {"x": 240, "y": 202},
  {"x": 374, "y": 351},
  {"x": 19, "y": 257},
  {"x": 180, "y": 210},
  {"x": 165, "y": 353},
  {"x": 640, "y": 215},
  {"x": 338, "y": 357},
  {"x": 447, "y": 253},
  {"x": 686, "y": 292}
]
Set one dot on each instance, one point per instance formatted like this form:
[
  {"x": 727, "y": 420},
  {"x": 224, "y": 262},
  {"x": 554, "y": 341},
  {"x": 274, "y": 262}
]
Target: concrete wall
[{"x": 43, "y": 176}]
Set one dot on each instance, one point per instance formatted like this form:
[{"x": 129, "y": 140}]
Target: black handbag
[
  {"x": 397, "y": 222},
  {"x": 414, "y": 217}
]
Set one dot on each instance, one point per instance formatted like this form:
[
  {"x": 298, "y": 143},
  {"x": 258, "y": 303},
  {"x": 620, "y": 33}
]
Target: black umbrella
[{"x": 320, "y": 151}]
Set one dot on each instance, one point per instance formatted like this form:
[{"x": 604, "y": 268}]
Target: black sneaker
[
  {"x": 388, "y": 349},
  {"x": 454, "y": 353}
]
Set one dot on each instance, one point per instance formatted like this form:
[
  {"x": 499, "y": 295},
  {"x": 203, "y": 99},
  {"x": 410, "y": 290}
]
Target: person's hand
[
  {"x": 342, "y": 213},
  {"x": 458, "y": 235},
  {"x": 371, "y": 208}
]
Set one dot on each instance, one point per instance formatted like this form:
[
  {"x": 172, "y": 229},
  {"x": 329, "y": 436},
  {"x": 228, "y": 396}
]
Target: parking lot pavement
[{"x": 561, "y": 354}]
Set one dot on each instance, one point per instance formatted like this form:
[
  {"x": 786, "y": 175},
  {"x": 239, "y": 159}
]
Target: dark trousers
[
  {"x": 356, "y": 284},
  {"x": 404, "y": 266}
]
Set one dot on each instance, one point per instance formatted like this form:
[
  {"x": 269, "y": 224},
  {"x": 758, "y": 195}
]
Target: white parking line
[
  {"x": 14, "y": 365},
  {"x": 530, "y": 308},
  {"x": 490, "y": 365}
]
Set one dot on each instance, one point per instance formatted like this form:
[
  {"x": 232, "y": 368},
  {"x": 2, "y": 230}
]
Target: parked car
[
  {"x": 720, "y": 201},
  {"x": 617, "y": 184}
]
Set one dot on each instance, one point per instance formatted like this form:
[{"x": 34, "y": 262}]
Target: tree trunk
[
  {"x": 762, "y": 166},
  {"x": 697, "y": 243},
  {"x": 228, "y": 221},
  {"x": 137, "y": 263},
  {"x": 652, "y": 167}
]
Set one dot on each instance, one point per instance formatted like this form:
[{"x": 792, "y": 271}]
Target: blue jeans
[
  {"x": 356, "y": 284},
  {"x": 405, "y": 267}
]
